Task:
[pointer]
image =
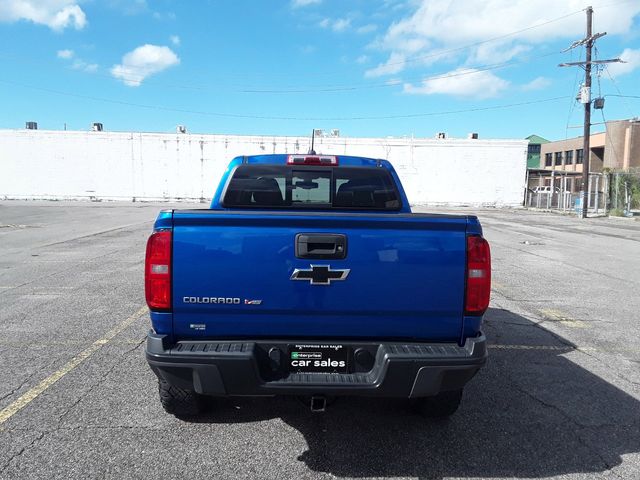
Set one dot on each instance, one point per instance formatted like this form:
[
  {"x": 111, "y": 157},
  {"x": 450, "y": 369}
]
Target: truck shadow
[{"x": 531, "y": 412}]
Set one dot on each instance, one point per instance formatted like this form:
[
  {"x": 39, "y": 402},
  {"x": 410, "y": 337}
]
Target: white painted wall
[{"x": 42, "y": 164}]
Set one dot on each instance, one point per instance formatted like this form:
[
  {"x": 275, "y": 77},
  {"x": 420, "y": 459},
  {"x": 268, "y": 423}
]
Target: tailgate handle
[{"x": 321, "y": 245}]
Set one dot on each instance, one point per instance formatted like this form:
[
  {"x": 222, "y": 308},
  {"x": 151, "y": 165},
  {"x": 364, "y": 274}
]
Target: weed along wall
[{"x": 45, "y": 164}]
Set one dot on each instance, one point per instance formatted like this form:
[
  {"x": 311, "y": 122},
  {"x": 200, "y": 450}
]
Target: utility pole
[
  {"x": 586, "y": 145},
  {"x": 585, "y": 98}
]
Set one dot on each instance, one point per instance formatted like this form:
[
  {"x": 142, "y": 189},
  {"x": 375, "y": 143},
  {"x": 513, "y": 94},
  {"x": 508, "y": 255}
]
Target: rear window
[{"x": 280, "y": 186}]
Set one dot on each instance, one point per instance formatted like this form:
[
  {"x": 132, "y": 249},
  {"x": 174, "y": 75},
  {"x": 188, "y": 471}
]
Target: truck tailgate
[{"x": 232, "y": 276}]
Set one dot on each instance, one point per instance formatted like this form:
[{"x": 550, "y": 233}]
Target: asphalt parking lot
[{"x": 559, "y": 397}]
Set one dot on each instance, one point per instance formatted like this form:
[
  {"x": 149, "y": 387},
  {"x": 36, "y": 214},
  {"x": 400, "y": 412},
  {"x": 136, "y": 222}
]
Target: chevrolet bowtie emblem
[{"x": 320, "y": 274}]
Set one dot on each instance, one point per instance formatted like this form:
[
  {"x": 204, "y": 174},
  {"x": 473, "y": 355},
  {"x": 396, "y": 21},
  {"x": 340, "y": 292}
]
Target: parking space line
[
  {"x": 558, "y": 348},
  {"x": 69, "y": 343},
  {"x": 13, "y": 408},
  {"x": 562, "y": 348},
  {"x": 498, "y": 287},
  {"x": 560, "y": 317}
]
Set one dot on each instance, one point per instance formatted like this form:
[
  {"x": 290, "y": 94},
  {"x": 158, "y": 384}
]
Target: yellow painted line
[
  {"x": 498, "y": 287},
  {"x": 560, "y": 317},
  {"x": 13, "y": 408},
  {"x": 22, "y": 343},
  {"x": 558, "y": 348},
  {"x": 531, "y": 347}
]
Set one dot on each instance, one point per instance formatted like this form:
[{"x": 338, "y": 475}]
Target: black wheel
[
  {"x": 442, "y": 405},
  {"x": 179, "y": 402}
]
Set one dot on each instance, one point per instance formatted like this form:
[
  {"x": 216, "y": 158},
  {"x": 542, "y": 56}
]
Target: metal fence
[
  {"x": 562, "y": 192},
  {"x": 609, "y": 193},
  {"x": 625, "y": 193}
]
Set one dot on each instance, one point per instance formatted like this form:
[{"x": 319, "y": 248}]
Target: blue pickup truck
[{"x": 309, "y": 276}]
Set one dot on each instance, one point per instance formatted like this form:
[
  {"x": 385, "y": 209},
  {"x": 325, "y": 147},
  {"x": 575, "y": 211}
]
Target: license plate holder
[{"x": 318, "y": 358}]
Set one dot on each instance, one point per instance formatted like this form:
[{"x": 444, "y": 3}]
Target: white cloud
[
  {"x": 461, "y": 83},
  {"x": 539, "y": 83},
  {"x": 164, "y": 16},
  {"x": 66, "y": 54},
  {"x": 341, "y": 24},
  {"x": 84, "y": 66},
  {"x": 304, "y": 3},
  {"x": 496, "y": 52},
  {"x": 337, "y": 25},
  {"x": 78, "y": 63},
  {"x": 175, "y": 39},
  {"x": 631, "y": 58},
  {"x": 56, "y": 14},
  {"x": 362, "y": 59},
  {"x": 371, "y": 27},
  {"x": 436, "y": 26},
  {"x": 393, "y": 65},
  {"x": 142, "y": 62}
]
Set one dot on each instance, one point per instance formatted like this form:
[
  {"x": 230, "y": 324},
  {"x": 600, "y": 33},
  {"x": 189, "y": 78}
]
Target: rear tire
[
  {"x": 179, "y": 402},
  {"x": 442, "y": 405}
]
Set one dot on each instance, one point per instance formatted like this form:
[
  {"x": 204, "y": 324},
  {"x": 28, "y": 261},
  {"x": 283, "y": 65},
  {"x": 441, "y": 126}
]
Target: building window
[
  {"x": 579, "y": 156},
  {"x": 558, "y": 158},
  {"x": 568, "y": 157},
  {"x": 547, "y": 160},
  {"x": 534, "y": 148}
]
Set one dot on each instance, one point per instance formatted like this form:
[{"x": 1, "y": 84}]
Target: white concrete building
[{"x": 45, "y": 164}]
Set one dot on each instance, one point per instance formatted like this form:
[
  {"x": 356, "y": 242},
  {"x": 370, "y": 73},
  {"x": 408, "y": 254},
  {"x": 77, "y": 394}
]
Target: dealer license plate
[{"x": 309, "y": 358}]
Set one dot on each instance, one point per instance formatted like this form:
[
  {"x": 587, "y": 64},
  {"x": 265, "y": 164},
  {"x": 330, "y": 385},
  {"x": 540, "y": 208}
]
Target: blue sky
[{"x": 368, "y": 68}]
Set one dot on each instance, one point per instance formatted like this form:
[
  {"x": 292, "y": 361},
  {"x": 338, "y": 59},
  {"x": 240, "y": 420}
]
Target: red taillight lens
[
  {"x": 328, "y": 160},
  {"x": 478, "y": 289},
  {"x": 157, "y": 271}
]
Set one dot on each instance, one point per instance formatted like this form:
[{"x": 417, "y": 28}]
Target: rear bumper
[{"x": 230, "y": 368}]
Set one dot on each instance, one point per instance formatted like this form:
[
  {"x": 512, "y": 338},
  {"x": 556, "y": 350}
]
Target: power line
[
  {"x": 409, "y": 60},
  {"x": 481, "y": 42},
  {"x": 615, "y": 85},
  {"x": 335, "y": 87},
  {"x": 606, "y": 129},
  {"x": 622, "y": 96},
  {"x": 499, "y": 37},
  {"x": 394, "y": 83},
  {"x": 573, "y": 100},
  {"x": 351, "y": 87},
  {"x": 335, "y": 73},
  {"x": 269, "y": 117}
]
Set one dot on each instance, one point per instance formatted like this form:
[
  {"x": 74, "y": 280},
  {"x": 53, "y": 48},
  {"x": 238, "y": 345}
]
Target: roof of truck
[{"x": 281, "y": 158}]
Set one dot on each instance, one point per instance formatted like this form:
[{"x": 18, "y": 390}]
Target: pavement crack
[
  {"x": 18, "y": 388},
  {"x": 65, "y": 270},
  {"x": 613, "y": 370},
  {"x": 58, "y": 425},
  {"x": 100, "y": 381},
  {"x": 39, "y": 437},
  {"x": 572, "y": 420}
]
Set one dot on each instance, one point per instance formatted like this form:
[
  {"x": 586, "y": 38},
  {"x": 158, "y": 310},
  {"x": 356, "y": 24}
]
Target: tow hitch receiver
[{"x": 318, "y": 403}]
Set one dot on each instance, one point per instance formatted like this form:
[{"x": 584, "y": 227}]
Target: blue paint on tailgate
[{"x": 406, "y": 276}]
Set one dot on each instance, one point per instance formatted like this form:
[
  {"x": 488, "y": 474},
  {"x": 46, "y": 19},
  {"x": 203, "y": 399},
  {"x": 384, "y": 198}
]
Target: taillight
[
  {"x": 478, "y": 288},
  {"x": 157, "y": 271},
  {"x": 328, "y": 160}
]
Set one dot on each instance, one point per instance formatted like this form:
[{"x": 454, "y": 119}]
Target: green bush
[{"x": 616, "y": 212}]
